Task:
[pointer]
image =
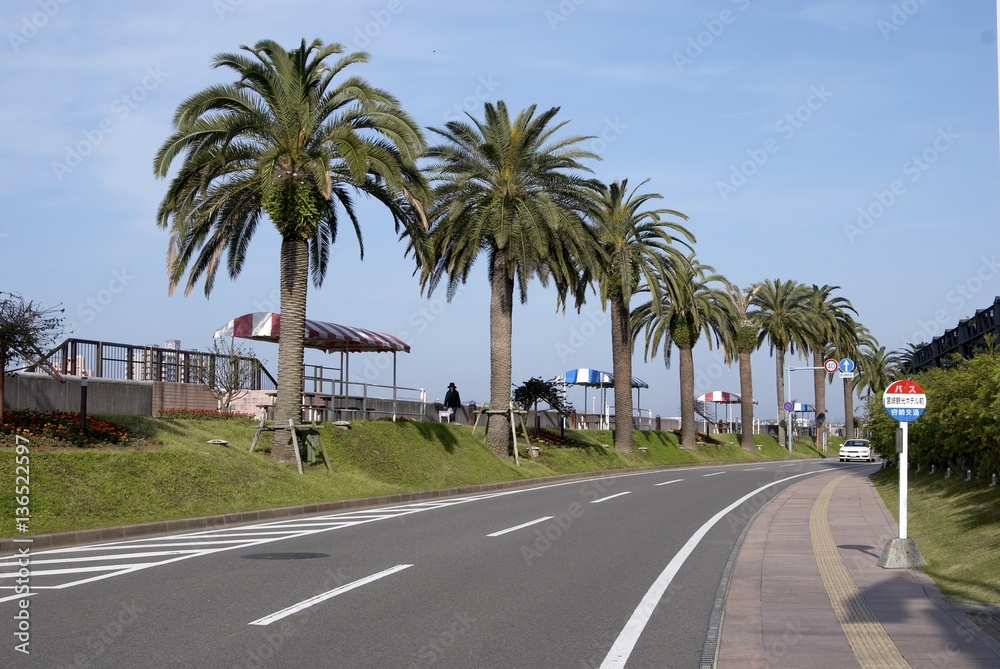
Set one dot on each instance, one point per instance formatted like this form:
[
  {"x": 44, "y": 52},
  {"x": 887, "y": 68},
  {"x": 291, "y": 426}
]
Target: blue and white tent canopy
[{"x": 593, "y": 378}]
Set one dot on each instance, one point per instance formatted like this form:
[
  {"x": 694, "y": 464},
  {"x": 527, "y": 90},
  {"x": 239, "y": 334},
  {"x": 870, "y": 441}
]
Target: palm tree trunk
[
  {"x": 746, "y": 401},
  {"x": 688, "y": 431},
  {"x": 501, "y": 318},
  {"x": 621, "y": 361},
  {"x": 819, "y": 391},
  {"x": 294, "y": 285},
  {"x": 779, "y": 371},
  {"x": 848, "y": 409},
  {"x": 3, "y": 376}
]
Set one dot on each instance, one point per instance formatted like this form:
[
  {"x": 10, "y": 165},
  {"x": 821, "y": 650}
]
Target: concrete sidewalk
[{"x": 806, "y": 592}]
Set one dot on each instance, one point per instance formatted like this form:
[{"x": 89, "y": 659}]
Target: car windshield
[{"x": 855, "y": 443}]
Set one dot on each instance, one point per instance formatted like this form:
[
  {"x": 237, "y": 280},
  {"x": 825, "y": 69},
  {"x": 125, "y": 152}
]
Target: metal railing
[
  {"x": 369, "y": 400},
  {"x": 97, "y": 359}
]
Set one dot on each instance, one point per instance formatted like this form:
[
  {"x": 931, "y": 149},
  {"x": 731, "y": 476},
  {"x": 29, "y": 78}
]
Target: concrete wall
[{"x": 40, "y": 391}]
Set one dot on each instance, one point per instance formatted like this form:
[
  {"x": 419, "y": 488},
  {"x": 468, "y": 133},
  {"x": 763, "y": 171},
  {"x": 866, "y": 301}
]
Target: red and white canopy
[
  {"x": 265, "y": 326},
  {"x": 721, "y": 397}
]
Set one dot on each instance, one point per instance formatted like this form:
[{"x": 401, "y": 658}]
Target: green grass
[
  {"x": 173, "y": 473},
  {"x": 956, "y": 525}
]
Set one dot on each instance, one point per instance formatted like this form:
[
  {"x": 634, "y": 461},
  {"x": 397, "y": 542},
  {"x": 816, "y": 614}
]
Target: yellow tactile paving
[{"x": 871, "y": 645}]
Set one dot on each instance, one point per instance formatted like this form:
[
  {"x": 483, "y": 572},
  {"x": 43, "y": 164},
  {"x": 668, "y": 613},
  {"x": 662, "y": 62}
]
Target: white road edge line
[
  {"x": 623, "y": 645},
  {"x": 714, "y": 474},
  {"x": 669, "y": 482},
  {"x": 267, "y": 620},
  {"x": 521, "y": 526},
  {"x": 752, "y": 469},
  {"x": 605, "y": 499}
]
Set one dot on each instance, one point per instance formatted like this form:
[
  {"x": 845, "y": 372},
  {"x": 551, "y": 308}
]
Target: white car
[{"x": 857, "y": 449}]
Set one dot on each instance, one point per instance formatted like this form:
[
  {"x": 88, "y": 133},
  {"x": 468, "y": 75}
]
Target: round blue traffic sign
[
  {"x": 846, "y": 365},
  {"x": 789, "y": 406}
]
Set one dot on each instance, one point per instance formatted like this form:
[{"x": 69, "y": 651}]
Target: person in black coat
[{"x": 452, "y": 401}]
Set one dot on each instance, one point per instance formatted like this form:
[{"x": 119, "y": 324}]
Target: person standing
[{"x": 452, "y": 401}]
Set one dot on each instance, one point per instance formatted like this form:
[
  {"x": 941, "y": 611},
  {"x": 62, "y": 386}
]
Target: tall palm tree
[
  {"x": 908, "y": 356},
  {"x": 831, "y": 331},
  {"x": 513, "y": 189},
  {"x": 292, "y": 139},
  {"x": 877, "y": 368},
  {"x": 740, "y": 337},
  {"x": 853, "y": 343},
  {"x": 784, "y": 322},
  {"x": 691, "y": 305},
  {"x": 636, "y": 246}
]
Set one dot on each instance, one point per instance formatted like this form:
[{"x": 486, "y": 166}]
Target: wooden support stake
[{"x": 295, "y": 445}]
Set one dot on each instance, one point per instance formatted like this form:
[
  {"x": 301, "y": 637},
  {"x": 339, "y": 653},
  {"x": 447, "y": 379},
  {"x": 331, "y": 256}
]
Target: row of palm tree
[{"x": 297, "y": 139}]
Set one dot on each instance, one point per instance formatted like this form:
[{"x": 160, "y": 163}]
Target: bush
[
  {"x": 961, "y": 424},
  {"x": 204, "y": 414}
]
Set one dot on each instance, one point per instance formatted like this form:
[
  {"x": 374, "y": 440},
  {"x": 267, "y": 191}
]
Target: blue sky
[{"x": 851, "y": 143}]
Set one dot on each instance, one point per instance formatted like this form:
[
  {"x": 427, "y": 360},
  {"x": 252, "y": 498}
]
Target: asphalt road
[{"x": 609, "y": 572}]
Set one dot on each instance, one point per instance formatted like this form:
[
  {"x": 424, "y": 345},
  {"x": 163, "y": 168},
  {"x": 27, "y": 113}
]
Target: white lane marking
[
  {"x": 102, "y": 547},
  {"x": 261, "y": 533},
  {"x": 669, "y": 482},
  {"x": 790, "y": 464},
  {"x": 295, "y": 608},
  {"x": 13, "y": 597},
  {"x": 97, "y": 558},
  {"x": 623, "y": 645},
  {"x": 714, "y": 474},
  {"x": 521, "y": 526},
  {"x": 76, "y": 570},
  {"x": 605, "y": 499},
  {"x": 752, "y": 469}
]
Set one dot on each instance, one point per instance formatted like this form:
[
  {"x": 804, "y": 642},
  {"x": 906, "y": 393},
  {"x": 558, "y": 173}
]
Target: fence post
[{"x": 83, "y": 405}]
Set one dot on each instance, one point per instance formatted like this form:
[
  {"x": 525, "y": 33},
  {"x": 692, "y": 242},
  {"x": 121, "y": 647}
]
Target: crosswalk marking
[{"x": 71, "y": 566}]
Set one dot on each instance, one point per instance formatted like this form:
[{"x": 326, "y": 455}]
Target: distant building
[{"x": 965, "y": 340}]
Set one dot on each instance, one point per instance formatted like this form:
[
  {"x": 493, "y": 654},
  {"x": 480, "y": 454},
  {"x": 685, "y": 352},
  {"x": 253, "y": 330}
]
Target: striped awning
[
  {"x": 265, "y": 326},
  {"x": 596, "y": 378},
  {"x": 721, "y": 397}
]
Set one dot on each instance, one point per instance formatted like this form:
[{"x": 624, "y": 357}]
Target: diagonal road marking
[{"x": 295, "y": 608}]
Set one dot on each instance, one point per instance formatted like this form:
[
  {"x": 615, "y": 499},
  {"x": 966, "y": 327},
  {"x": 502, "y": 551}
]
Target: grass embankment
[
  {"x": 174, "y": 473},
  {"x": 956, "y": 525}
]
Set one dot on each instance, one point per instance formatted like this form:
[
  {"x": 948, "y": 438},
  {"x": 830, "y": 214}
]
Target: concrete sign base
[{"x": 901, "y": 554}]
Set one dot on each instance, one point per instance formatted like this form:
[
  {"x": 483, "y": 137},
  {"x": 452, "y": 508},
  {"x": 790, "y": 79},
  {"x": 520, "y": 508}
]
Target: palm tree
[
  {"x": 512, "y": 189},
  {"x": 740, "y": 338},
  {"x": 784, "y": 322},
  {"x": 690, "y": 306},
  {"x": 853, "y": 345},
  {"x": 286, "y": 141},
  {"x": 831, "y": 329},
  {"x": 636, "y": 247},
  {"x": 877, "y": 368},
  {"x": 908, "y": 356}
]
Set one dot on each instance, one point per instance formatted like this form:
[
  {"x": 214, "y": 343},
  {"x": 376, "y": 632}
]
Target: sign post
[{"x": 904, "y": 401}]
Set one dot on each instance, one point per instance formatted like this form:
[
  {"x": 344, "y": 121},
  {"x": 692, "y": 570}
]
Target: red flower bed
[{"x": 62, "y": 426}]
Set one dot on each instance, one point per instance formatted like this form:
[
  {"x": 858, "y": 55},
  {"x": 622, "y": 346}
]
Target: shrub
[{"x": 204, "y": 414}]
